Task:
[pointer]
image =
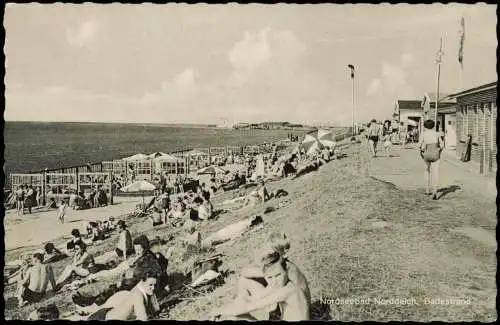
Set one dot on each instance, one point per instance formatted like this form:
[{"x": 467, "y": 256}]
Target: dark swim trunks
[{"x": 31, "y": 296}]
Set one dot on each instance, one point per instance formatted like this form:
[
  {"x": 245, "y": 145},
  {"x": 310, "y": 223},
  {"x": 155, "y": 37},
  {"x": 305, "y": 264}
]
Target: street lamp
[{"x": 351, "y": 67}]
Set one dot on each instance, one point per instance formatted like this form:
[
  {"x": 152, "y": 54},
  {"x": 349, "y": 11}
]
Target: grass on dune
[{"x": 354, "y": 236}]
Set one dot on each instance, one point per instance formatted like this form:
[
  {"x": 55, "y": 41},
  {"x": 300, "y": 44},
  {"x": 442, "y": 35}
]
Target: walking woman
[{"x": 431, "y": 145}]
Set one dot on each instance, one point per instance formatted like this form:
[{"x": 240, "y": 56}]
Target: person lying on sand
[
  {"x": 15, "y": 271},
  {"x": 140, "y": 303},
  {"x": 83, "y": 264},
  {"x": 255, "y": 301},
  {"x": 230, "y": 232},
  {"x": 34, "y": 284},
  {"x": 52, "y": 254}
]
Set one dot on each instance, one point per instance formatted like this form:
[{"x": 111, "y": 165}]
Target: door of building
[{"x": 450, "y": 137}]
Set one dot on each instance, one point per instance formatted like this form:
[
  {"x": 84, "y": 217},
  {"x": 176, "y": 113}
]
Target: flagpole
[{"x": 438, "y": 61}]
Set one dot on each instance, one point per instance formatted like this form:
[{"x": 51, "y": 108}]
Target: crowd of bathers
[{"x": 272, "y": 287}]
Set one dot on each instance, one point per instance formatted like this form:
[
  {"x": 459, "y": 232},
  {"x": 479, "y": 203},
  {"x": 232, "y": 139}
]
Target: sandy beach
[{"x": 355, "y": 241}]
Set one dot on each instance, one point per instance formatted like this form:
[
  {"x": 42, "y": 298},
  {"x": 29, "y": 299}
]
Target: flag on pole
[
  {"x": 350, "y": 66},
  {"x": 462, "y": 39}
]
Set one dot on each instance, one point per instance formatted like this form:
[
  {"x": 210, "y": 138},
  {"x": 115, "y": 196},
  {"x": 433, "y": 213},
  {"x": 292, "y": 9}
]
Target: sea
[{"x": 33, "y": 146}]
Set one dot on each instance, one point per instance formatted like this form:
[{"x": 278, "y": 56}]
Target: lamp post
[{"x": 354, "y": 129}]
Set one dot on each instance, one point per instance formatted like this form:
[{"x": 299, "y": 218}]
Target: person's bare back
[{"x": 40, "y": 275}]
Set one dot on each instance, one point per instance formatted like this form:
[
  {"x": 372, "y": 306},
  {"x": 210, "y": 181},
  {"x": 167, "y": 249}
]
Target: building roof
[
  {"x": 409, "y": 104},
  {"x": 475, "y": 90},
  {"x": 442, "y": 97}
]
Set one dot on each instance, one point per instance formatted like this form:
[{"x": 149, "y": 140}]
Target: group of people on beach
[
  {"x": 27, "y": 197},
  {"x": 430, "y": 146},
  {"x": 272, "y": 287}
]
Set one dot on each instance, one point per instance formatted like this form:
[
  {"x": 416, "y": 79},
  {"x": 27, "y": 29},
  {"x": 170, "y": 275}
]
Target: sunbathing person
[
  {"x": 231, "y": 231},
  {"x": 140, "y": 303},
  {"x": 16, "y": 270},
  {"x": 52, "y": 254},
  {"x": 156, "y": 217},
  {"x": 75, "y": 239},
  {"x": 124, "y": 248},
  {"x": 36, "y": 281},
  {"x": 97, "y": 231},
  {"x": 83, "y": 264},
  {"x": 255, "y": 301},
  {"x": 179, "y": 213},
  {"x": 131, "y": 272}
]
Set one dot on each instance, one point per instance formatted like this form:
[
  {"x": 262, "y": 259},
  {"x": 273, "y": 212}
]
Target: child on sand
[
  {"x": 387, "y": 144},
  {"x": 61, "y": 211}
]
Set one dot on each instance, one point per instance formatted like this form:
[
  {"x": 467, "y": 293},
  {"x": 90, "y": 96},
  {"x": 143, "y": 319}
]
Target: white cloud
[
  {"x": 185, "y": 79},
  {"x": 394, "y": 77},
  {"x": 175, "y": 92},
  {"x": 272, "y": 52},
  {"x": 82, "y": 35},
  {"x": 250, "y": 52},
  {"x": 374, "y": 87}
]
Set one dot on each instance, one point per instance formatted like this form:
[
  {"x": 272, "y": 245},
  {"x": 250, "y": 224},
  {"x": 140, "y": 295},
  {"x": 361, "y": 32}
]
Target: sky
[{"x": 216, "y": 64}]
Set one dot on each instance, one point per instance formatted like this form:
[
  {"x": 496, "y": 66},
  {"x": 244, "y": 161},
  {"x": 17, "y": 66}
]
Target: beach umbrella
[
  {"x": 311, "y": 144},
  {"x": 326, "y": 138},
  {"x": 139, "y": 186},
  {"x": 139, "y": 156},
  {"x": 211, "y": 170}
]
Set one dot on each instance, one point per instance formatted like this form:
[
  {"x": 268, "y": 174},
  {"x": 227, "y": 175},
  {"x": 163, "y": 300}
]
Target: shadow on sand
[{"x": 446, "y": 190}]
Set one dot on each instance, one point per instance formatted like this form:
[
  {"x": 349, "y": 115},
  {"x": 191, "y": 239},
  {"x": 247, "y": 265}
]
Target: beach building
[
  {"x": 409, "y": 112},
  {"x": 476, "y": 115},
  {"x": 446, "y": 115}
]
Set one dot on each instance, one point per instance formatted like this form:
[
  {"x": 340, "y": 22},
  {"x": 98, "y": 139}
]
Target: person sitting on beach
[
  {"x": 279, "y": 243},
  {"x": 156, "y": 217},
  {"x": 36, "y": 280},
  {"x": 201, "y": 208},
  {"x": 97, "y": 232},
  {"x": 140, "y": 303},
  {"x": 83, "y": 264},
  {"x": 256, "y": 301},
  {"x": 131, "y": 271},
  {"x": 124, "y": 248},
  {"x": 52, "y": 254},
  {"x": 179, "y": 213},
  {"x": 76, "y": 238}
]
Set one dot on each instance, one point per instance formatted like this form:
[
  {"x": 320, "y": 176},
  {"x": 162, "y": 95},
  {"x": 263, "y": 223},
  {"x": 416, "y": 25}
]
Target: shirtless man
[
  {"x": 35, "y": 283},
  {"x": 140, "y": 303},
  {"x": 255, "y": 301}
]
